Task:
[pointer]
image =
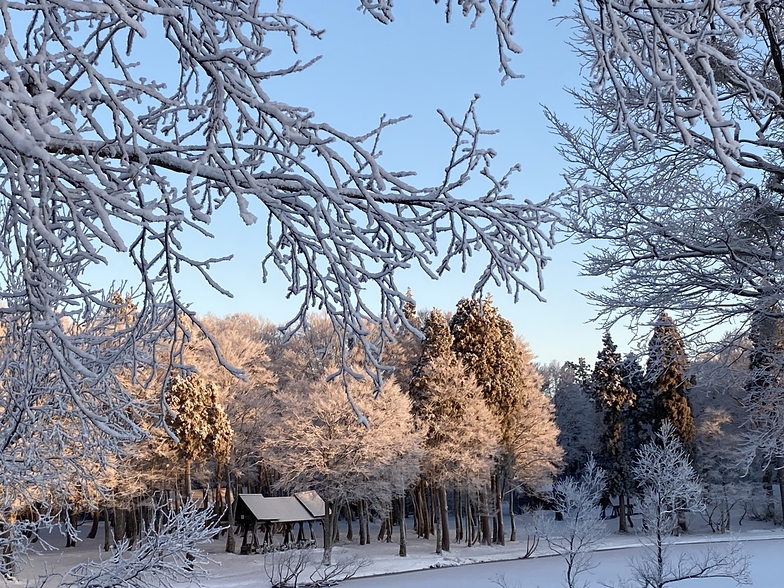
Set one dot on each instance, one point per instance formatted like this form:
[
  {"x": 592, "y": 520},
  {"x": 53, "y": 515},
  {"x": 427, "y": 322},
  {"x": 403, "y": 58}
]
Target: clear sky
[{"x": 414, "y": 66}]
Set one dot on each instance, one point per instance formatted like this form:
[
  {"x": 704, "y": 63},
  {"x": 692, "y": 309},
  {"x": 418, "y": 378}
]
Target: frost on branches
[
  {"x": 100, "y": 157},
  {"x": 678, "y": 176},
  {"x": 669, "y": 486},
  {"x": 99, "y": 154}
]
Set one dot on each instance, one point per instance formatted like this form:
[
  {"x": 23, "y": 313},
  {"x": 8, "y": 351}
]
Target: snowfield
[{"x": 475, "y": 566}]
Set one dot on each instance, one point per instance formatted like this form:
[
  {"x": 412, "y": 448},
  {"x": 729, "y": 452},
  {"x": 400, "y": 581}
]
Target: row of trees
[{"x": 464, "y": 415}]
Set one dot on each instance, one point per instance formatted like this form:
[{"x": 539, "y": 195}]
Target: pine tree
[
  {"x": 765, "y": 390},
  {"x": 667, "y": 376},
  {"x": 614, "y": 398},
  {"x": 575, "y": 415},
  {"x": 437, "y": 345},
  {"x": 404, "y": 352}
]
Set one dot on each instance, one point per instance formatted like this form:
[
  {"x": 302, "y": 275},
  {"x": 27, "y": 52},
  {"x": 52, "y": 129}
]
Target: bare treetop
[
  {"x": 97, "y": 154},
  {"x": 710, "y": 73}
]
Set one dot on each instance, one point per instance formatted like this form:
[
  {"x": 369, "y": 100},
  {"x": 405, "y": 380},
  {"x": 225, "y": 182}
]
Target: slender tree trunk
[
  {"x": 437, "y": 517},
  {"x": 442, "y": 503},
  {"x": 780, "y": 476},
  {"x": 131, "y": 525},
  {"x": 366, "y": 512},
  {"x": 512, "y": 527},
  {"x": 231, "y": 541},
  {"x": 401, "y": 525},
  {"x": 424, "y": 521},
  {"x": 107, "y": 530},
  {"x": 363, "y": 538},
  {"x": 349, "y": 522},
  {"x": 458, "y": 515},
  {"x": 499, "y": 507},
  {"x": 622, "y": 512},
  {"x": 94, "y": 527},
  {"x": 188, "y": 491},
  {"x": 330, "y": 519},
  {"x": 470, "y": 520}
]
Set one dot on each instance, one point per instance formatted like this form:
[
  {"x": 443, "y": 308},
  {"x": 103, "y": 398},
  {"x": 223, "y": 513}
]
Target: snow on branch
[
  {"x": 168, "y": 553},
  {"x": 97, "y": 154}
]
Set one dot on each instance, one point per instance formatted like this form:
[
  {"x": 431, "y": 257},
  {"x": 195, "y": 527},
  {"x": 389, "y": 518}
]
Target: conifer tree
[
  {"x": 614, "y": 398},
  {"x": 461, "y": 433},
  {"x": 503, "y": 368},
  {"x": 575, "y": 415},
  {"x": 404, "y": 352},
  {"x": 667, "y": 376},
  {"x": 198, "y": 421}
]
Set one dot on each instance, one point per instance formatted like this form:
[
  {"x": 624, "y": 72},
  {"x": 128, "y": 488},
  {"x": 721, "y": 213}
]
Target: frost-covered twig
[{"x": 168, "y": 553}]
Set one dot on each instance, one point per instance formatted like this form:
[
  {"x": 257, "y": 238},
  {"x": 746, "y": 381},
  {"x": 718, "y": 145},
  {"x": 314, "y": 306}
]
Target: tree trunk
[
  {"x": 363, "y": 538},
  {"x": 458, "y": 516},
  {"x": 470, "y": 521},
  {"x": 349, "y": 522},
  {"x": 499, "y": 508},
  {"x": 780, "y": 475},
  {"x": 512, "y": 527},
  {"x": 187, "y": 482},
  {"x": 444, "y": 518},
  {"x": 437, "y": 517},
  {"x": 767, "y": 485},
  {"x": 94, "y": 527},
  {"x": 401, "y": 525},
  {"x": 366, "y": 512},
  {"x": 119, "y": 524},
  {"x": 107, "y": 530},
  {"x": 423, "y": 525},
  {"x": 131, "y": 526},
  {"x": 622, "y": 513},
  {"x": 231, "y": 541},
  {"x": 330, "y": 521}
]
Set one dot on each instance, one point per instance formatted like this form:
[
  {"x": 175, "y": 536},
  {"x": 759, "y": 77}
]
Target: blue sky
[{"x": 415, "y": 66}]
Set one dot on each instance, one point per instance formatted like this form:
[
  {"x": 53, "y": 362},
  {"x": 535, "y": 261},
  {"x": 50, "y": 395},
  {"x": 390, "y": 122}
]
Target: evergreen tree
[
  {"x": 765, "y": 391},
  {"x": 667, "y": 376},
  {"x": 577, "y": 420},
  {"x": 199, "y": 422},
  {"x": 614, "y": 398},
  {"x": 405, "y": 351},
  {"x": 503, "y": 367},
  {"x": 642, "y": 418},
  {"x": 461, "y": 433}
]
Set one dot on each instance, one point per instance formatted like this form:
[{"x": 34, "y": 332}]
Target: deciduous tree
[{"x": 314, "y": 442}]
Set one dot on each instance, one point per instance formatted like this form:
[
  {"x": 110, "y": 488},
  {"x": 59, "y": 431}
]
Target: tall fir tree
[
  {"x": 462, "y": 434},
  {"x": 615, "y": 399},
  {"x": 404, "y": 352},
  {"x": 667, "y": 376},
  {"x": 437, "y": 345}
]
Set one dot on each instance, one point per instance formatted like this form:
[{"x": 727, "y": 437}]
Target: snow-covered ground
[{"x": 478, "y": 565}]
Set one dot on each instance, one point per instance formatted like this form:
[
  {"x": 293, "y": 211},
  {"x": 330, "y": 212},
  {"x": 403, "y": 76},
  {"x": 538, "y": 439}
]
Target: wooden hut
[{"x": 278, "y": 514}]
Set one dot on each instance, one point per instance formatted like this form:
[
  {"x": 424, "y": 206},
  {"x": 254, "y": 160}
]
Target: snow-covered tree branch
[{"x": 677, "y": 176}]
